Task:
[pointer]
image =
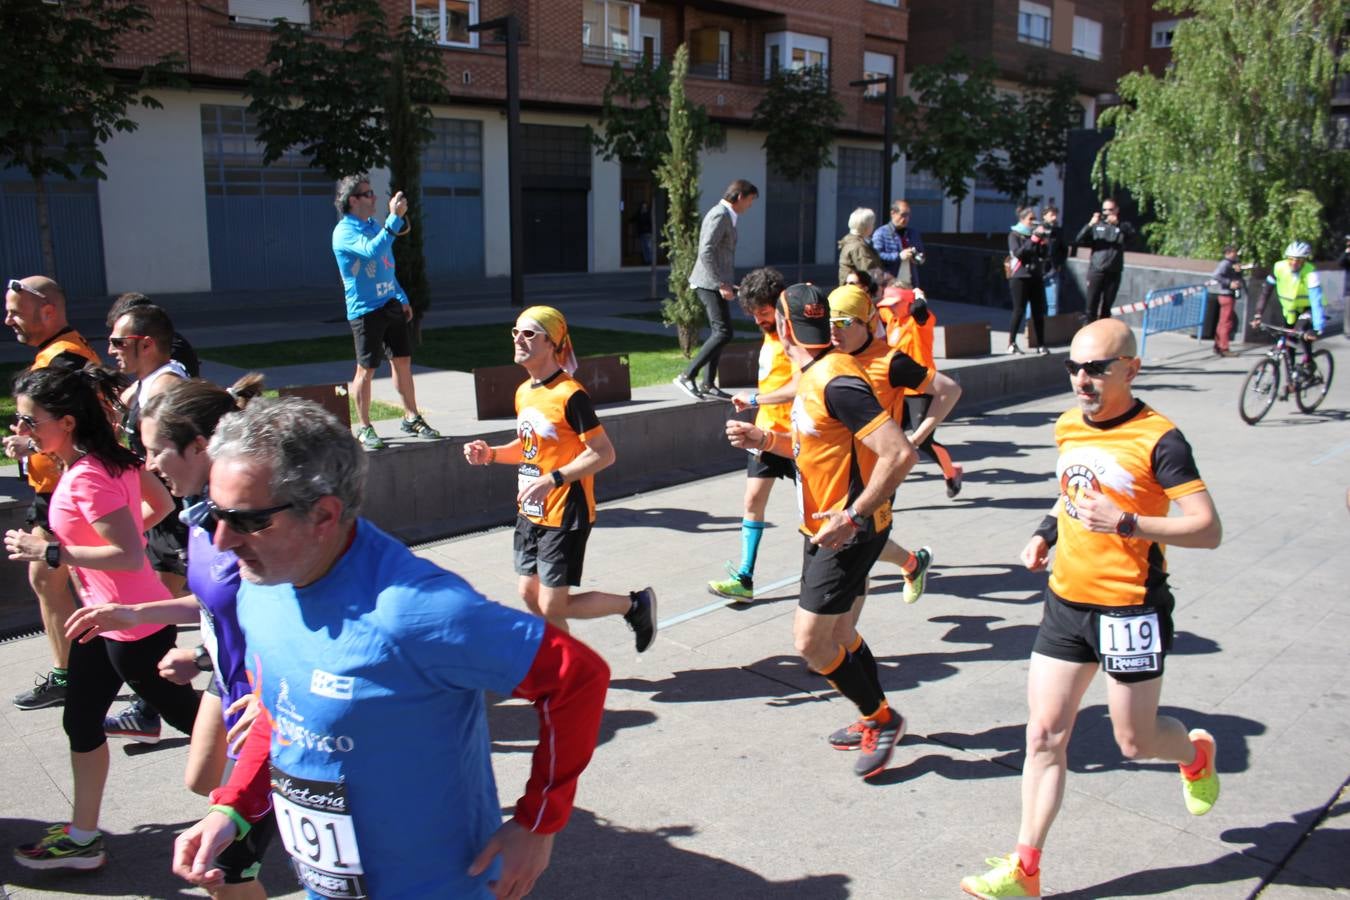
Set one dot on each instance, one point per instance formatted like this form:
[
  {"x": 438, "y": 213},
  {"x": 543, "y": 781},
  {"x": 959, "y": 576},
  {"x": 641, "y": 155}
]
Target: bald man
[
  {"x": 1121, "y": 466},
  {"x": 35, "y": 308}
]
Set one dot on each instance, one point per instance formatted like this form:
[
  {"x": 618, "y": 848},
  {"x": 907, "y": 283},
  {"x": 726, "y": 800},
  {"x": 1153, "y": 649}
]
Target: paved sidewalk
[{"x": 713, "y": 778}]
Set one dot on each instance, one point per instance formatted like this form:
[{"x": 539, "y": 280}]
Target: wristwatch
[
  {"x": 754, "y": 398},
  {"x": 202, "y": 659},
  {"x": 1126, "y": 524},
  {"x": 857, "y": 520},
  {"x": 558, "y": 479},
  {"x": 53, "y": 554}
]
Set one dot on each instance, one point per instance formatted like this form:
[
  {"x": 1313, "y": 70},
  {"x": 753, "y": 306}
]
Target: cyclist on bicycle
[{"x": 1294, "y": 280}]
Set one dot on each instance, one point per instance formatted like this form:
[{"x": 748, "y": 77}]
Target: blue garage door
[
  {"x": 77, "y": 232},
  {"x": 452, "y": 199},
  {"x": 859, "y": 185},
  {"x": 995, "y": 211},
  {"x": 268, "y": 226}
]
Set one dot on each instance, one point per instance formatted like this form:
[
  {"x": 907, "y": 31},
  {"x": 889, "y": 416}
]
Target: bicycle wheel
[
  {"x": 1259, "y": 391},
  {"x": 1309, "y": 390}
]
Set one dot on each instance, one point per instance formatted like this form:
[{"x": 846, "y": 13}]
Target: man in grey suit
[{"x": 713, "y": 280}]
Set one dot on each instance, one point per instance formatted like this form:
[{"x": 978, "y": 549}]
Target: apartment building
[{"x": 189, "y": 206}]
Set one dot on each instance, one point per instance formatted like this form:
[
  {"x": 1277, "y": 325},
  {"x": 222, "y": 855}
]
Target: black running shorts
[
  {"x": 1129, "y": 642},
  {"x": 383, "y": 330},
  {"x": 37, "y": 512},
  {"x": 769, "y": 465},
  {"x": 833, "y": 579},
  {"x": 556, "y": 556}
]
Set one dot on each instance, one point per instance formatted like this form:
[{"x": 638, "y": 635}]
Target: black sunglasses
[
  {"x": 19, "y": 287},
  {"x": 22, "y": 421},
  {"x": 121, "y": 342},
  {"x": 240, "y": 521},
  {"x": 1095, "y": 368}
]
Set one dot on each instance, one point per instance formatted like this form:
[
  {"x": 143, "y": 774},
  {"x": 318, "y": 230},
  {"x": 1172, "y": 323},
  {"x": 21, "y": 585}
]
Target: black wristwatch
[
  {"x": 202, "y": 659},
  {"x": 857, "y": 520},
  {"x": 1126, "y": 524},
  {"x": 53, "y": 554},
  {"x": 558, "y": 479}
]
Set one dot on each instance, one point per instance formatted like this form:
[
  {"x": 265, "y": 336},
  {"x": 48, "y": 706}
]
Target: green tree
[
  {"x": 678, "y": 175},
  {"x": 635, "y": 123},
  {"x": 1234, "y": 143},
  {"x": 1031, "y": 131},
  {"x": 798, "y": 114},
  {"x": 949, "y": 123},
  {"x": 62, "y": 99},
  {"x": 352, "y": 91}
]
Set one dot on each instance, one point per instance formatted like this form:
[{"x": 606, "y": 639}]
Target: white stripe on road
[
  {"x": 1333, "y": 452},
  {"x": 723, "y": 604}
]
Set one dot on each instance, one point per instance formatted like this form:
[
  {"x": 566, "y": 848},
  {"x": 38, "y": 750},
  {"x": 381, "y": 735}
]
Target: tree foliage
[
  {"x": 1235, "y": 143},
  {"x": 352, "y": 92},
  {"x": 62, "y": 97},
  {"x": 798, "y": 115},
  {"x": 678, "y": 175},
  {"x": 950, "y": 122},
  {"x": 1031, "y": 132}
]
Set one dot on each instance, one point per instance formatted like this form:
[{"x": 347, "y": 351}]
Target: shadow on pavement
[
  {"x": 687, "y": 520},
  {"x": 784, "y": 680},
  {"x": 988, "y": 580},
  {"x": 977, "y": 450},
  {"x": 594, "y": 858}
]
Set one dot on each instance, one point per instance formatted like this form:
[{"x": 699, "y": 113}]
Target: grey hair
[
  {"x": 347, "y": 186},
  {"x": 309, "y": 453},
  {"x": 861, "y": 219}
]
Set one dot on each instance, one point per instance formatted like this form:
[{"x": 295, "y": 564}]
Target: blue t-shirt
[
  {"x": 374, "y": 678},
  {"x": 213, "y": 578},
  {"x": 365, "y": 256}
]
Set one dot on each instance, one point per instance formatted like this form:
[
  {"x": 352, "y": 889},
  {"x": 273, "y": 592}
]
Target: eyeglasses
[
  {"x": 528, "y": 334},
  {"x": 28, "y": 422},
  {"x": 240, "y": 521},
  {"x": 19, "y": 287},
  {"x": 121, "y": 342},
  {"x": 843, "y": 321},
  {"x": 1095, "y": 368},
  {"x": 365, "y": 193}
]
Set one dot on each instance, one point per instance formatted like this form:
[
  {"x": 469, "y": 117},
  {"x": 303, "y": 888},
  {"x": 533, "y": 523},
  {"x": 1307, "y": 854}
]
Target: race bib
[
  {"x": 524, "y": 476},
  {"x": 1129, "y": 643},
  {"x": 315, "y": 826}
]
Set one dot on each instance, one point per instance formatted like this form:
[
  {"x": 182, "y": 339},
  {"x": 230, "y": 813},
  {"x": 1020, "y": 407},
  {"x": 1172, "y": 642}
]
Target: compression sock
[
  {"x": 944, "y": 459},
  {"x": 751, "y": 533},
  {"x": 59, "y": 676},
  {"x": 869, "y": 662},
  {"x": 848, "y": 676},
  {"x": 1197, "y": 768},
  {"x": 1030, "y": 857}
]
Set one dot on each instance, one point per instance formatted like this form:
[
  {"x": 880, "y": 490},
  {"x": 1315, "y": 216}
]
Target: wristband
[
  {"x": 854, "y": 519},
  {"x": 492, "y": 456},
  {"x": 558, "y": 480},
  {"x": 241, "y": 824},
  {"x": 754, "y": 398}
]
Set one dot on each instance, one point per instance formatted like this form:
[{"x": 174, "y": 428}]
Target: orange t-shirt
[
  {"x": 44, "y": 471},
  {"x": 775, "y": 371},
  {"x": 554, "y": 420}
]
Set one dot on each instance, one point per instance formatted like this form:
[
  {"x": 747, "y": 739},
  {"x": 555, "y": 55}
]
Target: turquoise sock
[{"x": 751, "y": 532}]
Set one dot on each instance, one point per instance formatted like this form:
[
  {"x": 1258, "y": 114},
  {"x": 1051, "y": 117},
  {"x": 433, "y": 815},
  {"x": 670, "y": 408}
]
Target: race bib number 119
[{"x": 1129, "y": 643}]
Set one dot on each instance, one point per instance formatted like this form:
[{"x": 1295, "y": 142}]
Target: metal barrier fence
[{"x": 1170, "y": 309}]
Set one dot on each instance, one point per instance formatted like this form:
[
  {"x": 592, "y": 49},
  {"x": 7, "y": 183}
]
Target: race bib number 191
[
  {"x": 315, "y": 827},
  {"x": 1129, "y": 643}
]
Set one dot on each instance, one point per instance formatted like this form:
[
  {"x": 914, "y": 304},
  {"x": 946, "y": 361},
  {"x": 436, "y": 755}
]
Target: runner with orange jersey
[
  {"x": 1121, "y": 466},
  {"x": 850, "y": 457},
  {"x": 559, "y": 447}
]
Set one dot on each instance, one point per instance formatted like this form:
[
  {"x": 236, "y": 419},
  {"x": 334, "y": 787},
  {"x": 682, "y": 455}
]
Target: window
[
  {"x": 1162, "y": 33},
  {"x": 262, "y": 12},
  {"x": 710, "y": 53},
  {"x": 447, "y": 21},
  {"x": 789, "y": 50},
  {"x": 1033, "y": 23},
  {"x": 877, "y": 65},
  {"x": 1087, "y": 38},
  {"x": 610, "y": 31}
]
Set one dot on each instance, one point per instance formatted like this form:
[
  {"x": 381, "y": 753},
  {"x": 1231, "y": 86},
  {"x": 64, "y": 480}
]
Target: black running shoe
[
  {"x": 686, "y": 384},
  {"x": 878, "y": 743},
  {"x": 642, "y": 617},
  {"x": 713, "y": 390},
  {"x": 44, "y": 692}
]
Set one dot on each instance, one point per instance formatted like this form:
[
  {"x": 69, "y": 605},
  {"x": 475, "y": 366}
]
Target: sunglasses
[
  {"x": 28, "y": 422},
  {"x": 240, "y": 521},
  {"x": 19, "y": 287},
  {"x": 121, "y": 342},
  {"x": 363, "y": 193},
  {"x": 843, "y": 321},
  {"x": 528, "y": 334},
  {"x": 1095, "y": 368}
]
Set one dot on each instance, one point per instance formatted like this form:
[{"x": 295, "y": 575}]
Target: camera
[{"x": 918, "y": 257}]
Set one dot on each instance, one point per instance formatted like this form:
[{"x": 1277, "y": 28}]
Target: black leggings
[
  {"x": 1101, "y": 294},
  {"x": 1027, "y": 292},
  {"x": 97, "y": 671},
  {"x": 719, "y": 335}
]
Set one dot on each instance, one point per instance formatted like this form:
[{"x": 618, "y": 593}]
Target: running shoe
[
  {"x": 138, "y": 722},
  {"x": 44, "y": 692},
  {"x": 1013, "y": 349},
  {"x": 878, "y": 744},
  {"x": 738, "y": 587},
  {"x": 914, "y": 581},
  {"x": 418, "y": 426},
  {"x": 58, "y": 850},
  {"x": 849, "y": 737},
  {"x": 712, "y": 390},
  {"x": 1042, "y": 351},
  {"x": 1004, "y": 879},
  {"x": 369, "y": 439},
  {"x": 686, "y": 384},
  {"x": 954, "y": 483},
  {"x": 1202, "y": 791},
  {"x": 642, "y": 617}
]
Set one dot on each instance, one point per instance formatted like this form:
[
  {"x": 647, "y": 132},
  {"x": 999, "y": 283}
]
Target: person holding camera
[
  {"x": 1028, "y": 252},
  {"x": 1228, "y": 274},
  {"x": 900, "y": 246},
  {"x": 1106, "y": 234}
]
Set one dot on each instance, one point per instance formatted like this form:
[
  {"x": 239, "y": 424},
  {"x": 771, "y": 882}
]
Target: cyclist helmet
[{"x": 1298, "y": 250}]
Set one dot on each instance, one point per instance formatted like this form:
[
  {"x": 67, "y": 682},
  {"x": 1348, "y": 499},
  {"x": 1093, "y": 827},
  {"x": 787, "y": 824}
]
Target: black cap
[{"x": 807, "y": 309}]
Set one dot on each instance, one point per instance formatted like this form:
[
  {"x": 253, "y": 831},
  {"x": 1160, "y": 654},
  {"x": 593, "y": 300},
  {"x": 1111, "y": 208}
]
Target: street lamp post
[
  {"x": 888, "y": 129},
  {"x": 510, "y": 26}
]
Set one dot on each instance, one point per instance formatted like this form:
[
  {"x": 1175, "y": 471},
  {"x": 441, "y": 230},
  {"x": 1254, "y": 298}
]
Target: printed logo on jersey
[
  {"x": 371, "y": 269},
  {"x": 335, "y": 687},
  {"x": 801, "y": 419},
  {"x": 288, "y": 726},
  {"x": 532, "y": 427},
  {"x": 1092, "y": 468}
]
